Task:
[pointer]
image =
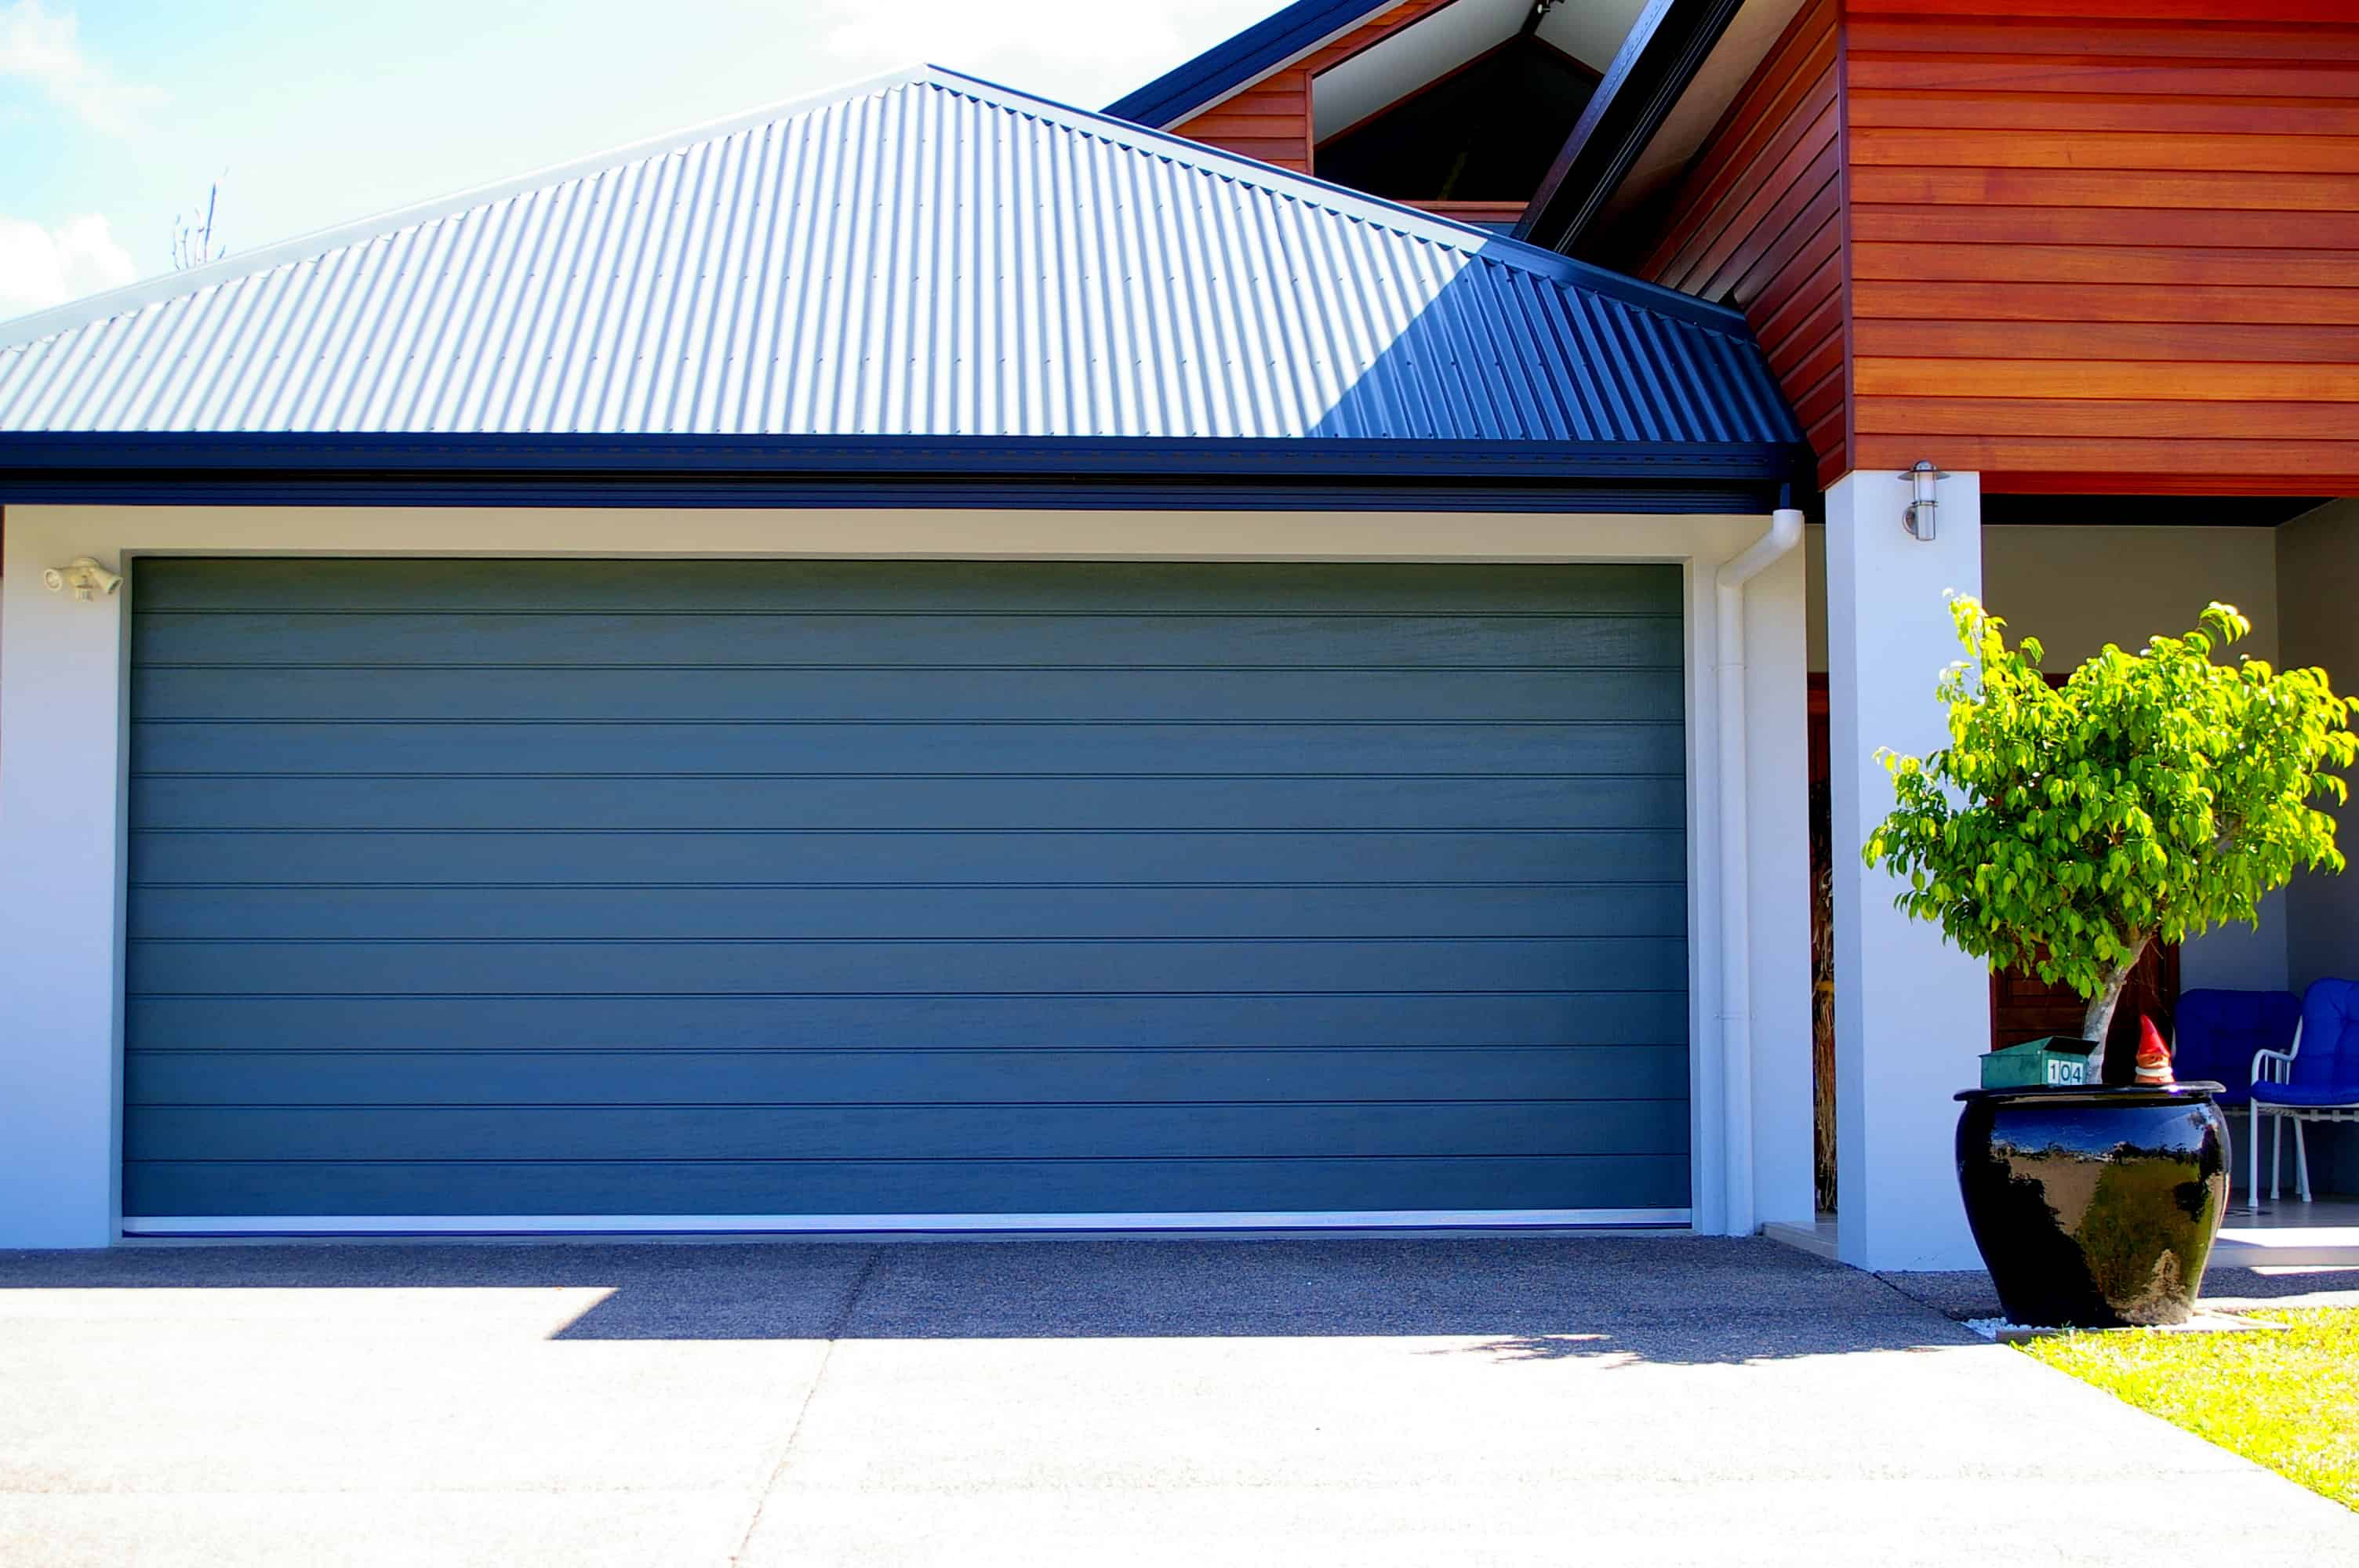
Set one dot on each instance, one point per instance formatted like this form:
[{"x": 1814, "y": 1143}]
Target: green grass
[{"x": 2288, "y": 1400}]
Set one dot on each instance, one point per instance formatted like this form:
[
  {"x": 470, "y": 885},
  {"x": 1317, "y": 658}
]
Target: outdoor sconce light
[
  {"x": 1918, "y": 517},
  {"x": 85, "y": 577}
]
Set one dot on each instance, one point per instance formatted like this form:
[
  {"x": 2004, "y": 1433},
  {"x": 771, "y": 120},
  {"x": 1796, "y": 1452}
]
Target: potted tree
[{"x": 2149, "y": 797}]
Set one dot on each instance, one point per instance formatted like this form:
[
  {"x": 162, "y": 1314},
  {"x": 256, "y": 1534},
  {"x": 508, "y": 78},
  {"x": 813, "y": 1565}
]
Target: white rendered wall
[
  {"x": 2318, "y": 562},
  {"x": 62, "y": 683},
  {"x": 61, "y": 890},
  {"x": 1777, "y": 760},
  {"x": 1911, "y": 1012},
  {"x": 2077, "y": 589},
  {"x": 2318, "y": 565}
]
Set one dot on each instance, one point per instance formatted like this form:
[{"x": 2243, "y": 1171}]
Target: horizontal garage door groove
[
  {"x": 593, "y": 896},
  {"x": 622, "y": 1225},
  {"x": 480, "y": 1049}
]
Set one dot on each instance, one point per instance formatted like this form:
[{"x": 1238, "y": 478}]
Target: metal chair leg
[
  {"x": 2253, "y": 1158},
  {"x": 2301, "y": 1158},
  {"x": 2276, "y": 1154}
]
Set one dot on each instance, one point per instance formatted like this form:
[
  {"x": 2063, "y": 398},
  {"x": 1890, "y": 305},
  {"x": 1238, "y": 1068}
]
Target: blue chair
[
  {"x": 2215, "y": 1035},
  {"x": 2315, "y": 1079}
]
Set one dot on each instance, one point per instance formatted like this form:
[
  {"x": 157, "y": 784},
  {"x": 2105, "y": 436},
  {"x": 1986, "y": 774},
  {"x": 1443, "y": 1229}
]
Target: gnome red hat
[{"x": 2154, "y": 1056}]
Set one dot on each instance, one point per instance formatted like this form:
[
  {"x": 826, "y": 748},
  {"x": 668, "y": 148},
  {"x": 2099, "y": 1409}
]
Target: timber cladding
[
  {"x": 1271, "y": 119},
  {"x": 1758, "y": 222},
  {"x": 2080, "y": 245},
  {"x": 2106, "y": 245}
]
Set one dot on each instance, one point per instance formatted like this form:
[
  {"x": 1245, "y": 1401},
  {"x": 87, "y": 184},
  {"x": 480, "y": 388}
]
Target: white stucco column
[
  {"x": 60, "y": 832},
  {"x": 1752, "y": 1119},
  {"x": 1911, "y": 1012},
  {"x": 1777, "y": 803}
]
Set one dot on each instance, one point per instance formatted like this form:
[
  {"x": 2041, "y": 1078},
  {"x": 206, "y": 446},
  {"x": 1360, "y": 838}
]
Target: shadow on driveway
[{"x": 1676, "y": 1299}]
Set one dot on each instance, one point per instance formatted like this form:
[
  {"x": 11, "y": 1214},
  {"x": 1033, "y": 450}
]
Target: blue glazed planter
[{"x": 2094, "y": 1207}]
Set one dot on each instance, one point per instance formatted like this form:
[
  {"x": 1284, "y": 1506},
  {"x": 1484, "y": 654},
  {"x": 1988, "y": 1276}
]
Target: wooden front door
[{"x": 2023, "y": 1007}]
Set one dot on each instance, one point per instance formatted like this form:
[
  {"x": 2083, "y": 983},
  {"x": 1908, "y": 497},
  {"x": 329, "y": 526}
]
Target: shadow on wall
[{"x": 1667, "y": 1299}]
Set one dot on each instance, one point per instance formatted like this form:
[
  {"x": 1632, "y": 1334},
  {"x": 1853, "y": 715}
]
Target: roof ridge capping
[
  {"x": 26, "y": 330},
  {"x": 1414, "y": 222}
]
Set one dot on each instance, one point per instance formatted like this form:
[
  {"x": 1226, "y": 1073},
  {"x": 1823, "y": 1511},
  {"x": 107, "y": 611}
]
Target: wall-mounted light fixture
[
  {"x": 1918, "y": 517},
  {"x": 85, "y": 577}
]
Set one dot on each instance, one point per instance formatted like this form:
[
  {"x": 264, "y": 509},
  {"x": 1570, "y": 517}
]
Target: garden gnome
[{"x": 2153, "y": 1057}]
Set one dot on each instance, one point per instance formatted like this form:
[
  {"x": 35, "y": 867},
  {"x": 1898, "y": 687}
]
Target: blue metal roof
[
  {"x": 923, "y": 256},
  {"x": 1239, "y": 61}
]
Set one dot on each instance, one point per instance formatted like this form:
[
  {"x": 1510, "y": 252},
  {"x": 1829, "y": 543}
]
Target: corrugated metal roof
[{"x": 924, "y": 256}]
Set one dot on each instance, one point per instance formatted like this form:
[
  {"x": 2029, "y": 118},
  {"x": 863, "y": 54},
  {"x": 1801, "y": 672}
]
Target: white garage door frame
[{"x": 64, "y": 679}]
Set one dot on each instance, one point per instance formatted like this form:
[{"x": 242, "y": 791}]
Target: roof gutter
[
  {"x": 154, "y": 468},
  {"x": 1665, "y": 49}
]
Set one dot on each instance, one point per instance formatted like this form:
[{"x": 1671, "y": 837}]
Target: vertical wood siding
[
  {"x": 1758, "y": 222},
  {"x": 2106, "y": 247},
  {"x": 1271, "y": 119}
]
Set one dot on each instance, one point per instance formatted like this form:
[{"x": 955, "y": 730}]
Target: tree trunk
[{"x": 2098, "y": 1021}]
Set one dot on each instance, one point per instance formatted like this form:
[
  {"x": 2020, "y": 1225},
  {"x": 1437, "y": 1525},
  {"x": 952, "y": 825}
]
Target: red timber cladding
[
  {"x": 2106, "y": 245},
  {"x": 1474, "y": 211},
  {"x": 1271, "y": 119},
  {"x": 1758, "y": 222}
]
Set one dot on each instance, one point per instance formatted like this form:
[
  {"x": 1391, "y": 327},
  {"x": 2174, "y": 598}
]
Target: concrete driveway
[{"x": 1590, "y": 1400}]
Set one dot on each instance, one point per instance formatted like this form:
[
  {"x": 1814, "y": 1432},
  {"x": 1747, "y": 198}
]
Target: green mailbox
[{"x": 2051, "y": 1059}]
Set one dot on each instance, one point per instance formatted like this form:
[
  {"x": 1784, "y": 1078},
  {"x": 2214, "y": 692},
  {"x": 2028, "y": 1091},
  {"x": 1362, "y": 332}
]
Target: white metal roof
[{"x": 922, "y": 255}]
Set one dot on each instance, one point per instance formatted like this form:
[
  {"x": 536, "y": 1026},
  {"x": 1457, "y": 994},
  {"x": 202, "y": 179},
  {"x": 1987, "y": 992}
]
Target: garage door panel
[
  {"x": 1402, "y": 696},
  {"x": 1052, "y": 803},
  {"x": 936, "y": 1076},
  {"x": 821, "y": 887},
  {"x": 1075, "y": 641},
  {"x": 1597, "y": 1016},
  {"x": 222, "y": 913},
  {"x": 1296, "y": 1129},
  {"x": 1652, "y": 1181},
  {"x": 771, "y": 968},
  {"x": 323, "y": 586},
  {"x": 609, "y": 859},
  {"x": 671, "y": 749}
]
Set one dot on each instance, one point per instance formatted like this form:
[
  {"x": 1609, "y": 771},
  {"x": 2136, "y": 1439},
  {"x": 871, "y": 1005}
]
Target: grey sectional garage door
[{"x": 828, "y": 889}]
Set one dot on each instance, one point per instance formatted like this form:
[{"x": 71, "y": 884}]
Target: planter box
[{"x": 2050, "y": 1061}]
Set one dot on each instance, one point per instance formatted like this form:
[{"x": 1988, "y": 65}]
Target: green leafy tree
[{"x": 2151, "y": 797}]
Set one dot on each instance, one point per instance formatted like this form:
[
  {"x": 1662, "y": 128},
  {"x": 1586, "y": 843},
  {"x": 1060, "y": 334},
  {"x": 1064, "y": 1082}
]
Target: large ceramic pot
[{"x": 2094, "y": 1207}]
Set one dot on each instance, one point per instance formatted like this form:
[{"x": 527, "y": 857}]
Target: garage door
[{"x": 729, "y": 892}]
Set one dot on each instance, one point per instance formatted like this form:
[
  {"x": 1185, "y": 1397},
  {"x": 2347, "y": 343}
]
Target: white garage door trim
[{"x": 63, "y": 677}]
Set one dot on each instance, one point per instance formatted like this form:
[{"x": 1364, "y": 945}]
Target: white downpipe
[{"x": 1735, "y": 880}]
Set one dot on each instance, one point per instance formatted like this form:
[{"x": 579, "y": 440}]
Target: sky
[{"x": 117, "y": 116}]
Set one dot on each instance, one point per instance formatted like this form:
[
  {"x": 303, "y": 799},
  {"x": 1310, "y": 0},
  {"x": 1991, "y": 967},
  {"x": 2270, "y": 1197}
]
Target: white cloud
[
  {"x": 41, "y": 267},
  {"x": 1074, "y": 51},
  {"x": 44, "y": 48}
]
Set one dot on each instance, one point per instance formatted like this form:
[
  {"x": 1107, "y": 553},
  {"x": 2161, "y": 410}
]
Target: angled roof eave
[
  {"x": 1665, "y": 47},
  {"x": 1235, "y": 63}
]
